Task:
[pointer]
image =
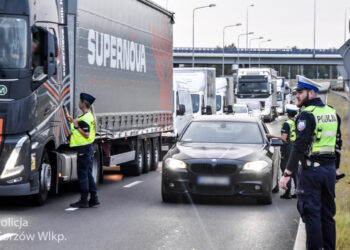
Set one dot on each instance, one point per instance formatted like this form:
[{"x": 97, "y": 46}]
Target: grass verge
[{"x": 343, "y": 187}]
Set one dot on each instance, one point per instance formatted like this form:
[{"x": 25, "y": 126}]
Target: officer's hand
[
  {"x": 283, "y": 182},
  {"x": 75, "y": 121}
]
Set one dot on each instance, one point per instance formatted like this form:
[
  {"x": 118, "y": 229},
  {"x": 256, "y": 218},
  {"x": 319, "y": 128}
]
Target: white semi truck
[
  {"x": 224, "y": 94},
  {"x": 258, "y": 85},
  {"x": 201, "y": 84}
]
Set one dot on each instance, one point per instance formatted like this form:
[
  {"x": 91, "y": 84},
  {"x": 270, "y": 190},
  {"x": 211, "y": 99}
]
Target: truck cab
[
  {"x": 258, "y": 85},
  {"x": 224, "y": 93}
]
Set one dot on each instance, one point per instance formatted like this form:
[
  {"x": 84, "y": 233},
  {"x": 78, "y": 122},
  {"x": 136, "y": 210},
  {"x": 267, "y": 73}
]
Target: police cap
[
  {"x": 89, "y": 98},
  {"x": 306, "y": 83}
]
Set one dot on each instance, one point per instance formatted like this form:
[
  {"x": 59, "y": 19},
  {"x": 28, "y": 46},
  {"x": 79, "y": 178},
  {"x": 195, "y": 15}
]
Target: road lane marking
[
  {"x": 6, "y": 236},
  {"x": 300, "y": 240},
  {"x": 72, "y": 209},
  {"x": 133, "y": 184}
]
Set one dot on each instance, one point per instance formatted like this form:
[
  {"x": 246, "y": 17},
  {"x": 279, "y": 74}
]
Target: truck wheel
[
  {"x": 96, "y": 166},
  {"x": 134, "y": 168},
  {"x": 45, "y": 180},
  {"x": 155, "y": 153},
  {"x": 147, "y": 161}
]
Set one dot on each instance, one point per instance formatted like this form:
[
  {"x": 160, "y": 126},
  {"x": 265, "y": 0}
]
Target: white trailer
[
  {"x": 201, "y": 84},
  {"x": 258, "y": 85},
  {"x": 224, "y": 93}
]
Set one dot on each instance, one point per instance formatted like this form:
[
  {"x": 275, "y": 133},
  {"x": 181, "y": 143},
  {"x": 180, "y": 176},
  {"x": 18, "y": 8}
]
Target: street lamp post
[
  {"x": 269, "y": 40},
  {"x": 201, "y": 7},
  {"x": 314, "y": 27},
  {"x": 250, "y": 43},
  {"x": 247, "y": 30},
  {"x": 239, "y": 36},
  {"x": 223, "y": 45},
  {"x": 348, "y": 8}
]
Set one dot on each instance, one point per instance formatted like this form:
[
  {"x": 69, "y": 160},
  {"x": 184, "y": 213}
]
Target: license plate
[{"x": 213, "y": 181}]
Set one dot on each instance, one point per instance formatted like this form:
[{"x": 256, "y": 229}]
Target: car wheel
[
  {"x": 45, "y": 180},
  {"x": 168, "y": 198},
  {"x": 155, "y": 153},
  {"x": 147, "y": 160},
  {"x": 276, "y": 189},
  {"x": 267, "y": 200}
]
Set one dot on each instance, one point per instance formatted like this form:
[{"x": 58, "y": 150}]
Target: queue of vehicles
[{"x": 142, "y": 105}]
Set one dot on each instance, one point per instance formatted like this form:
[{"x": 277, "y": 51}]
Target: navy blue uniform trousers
[
  {"x": 316, "y": 205},
  {"x": 86, "y": 180}
]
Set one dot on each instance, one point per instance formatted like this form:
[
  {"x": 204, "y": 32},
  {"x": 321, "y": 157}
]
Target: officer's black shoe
[
  {"x": 80, "y": 204},
  {"x": 94, "y": 202},
  {"x": 285, "y": 196},
  {"x": 294, "y": 196},
  {"x": 339, "y": 176}
]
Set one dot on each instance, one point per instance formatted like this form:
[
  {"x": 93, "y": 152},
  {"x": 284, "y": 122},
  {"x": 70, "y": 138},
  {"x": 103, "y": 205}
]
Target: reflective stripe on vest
[
  {"x": 325, "y": 130},
  {"x": 77, "y": 139}
]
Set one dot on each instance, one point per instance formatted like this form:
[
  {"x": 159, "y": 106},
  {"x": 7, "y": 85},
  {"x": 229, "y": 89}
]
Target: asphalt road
[{"x": 132, "y": 216}]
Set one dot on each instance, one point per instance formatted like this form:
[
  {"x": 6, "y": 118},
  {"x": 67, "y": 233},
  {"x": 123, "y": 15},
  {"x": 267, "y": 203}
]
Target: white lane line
[
  {"x": 6, "y": 236},
  {"x": 72, "y": 209},
  {"x": 133, "y": 184},
  {"x": 300, "y": 240}
]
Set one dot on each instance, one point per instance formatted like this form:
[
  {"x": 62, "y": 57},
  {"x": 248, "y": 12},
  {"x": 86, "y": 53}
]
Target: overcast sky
[{"x": 287, "y": 22}]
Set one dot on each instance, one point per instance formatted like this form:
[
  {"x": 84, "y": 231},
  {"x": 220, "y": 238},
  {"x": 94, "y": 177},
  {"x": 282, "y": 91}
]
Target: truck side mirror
[
  {"x": 207, "y": 110},
  {"x": 50, "y": 54},
  {"x": 228, "y": 109},
  {"x": 181, "y": 111}
]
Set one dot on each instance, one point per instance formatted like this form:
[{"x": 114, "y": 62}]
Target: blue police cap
[
  {"x": 306, "y": 83},
  {"x": 87, "y": 97}
]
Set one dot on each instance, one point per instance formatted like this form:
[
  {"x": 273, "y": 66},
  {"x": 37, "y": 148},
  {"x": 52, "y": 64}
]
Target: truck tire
[
  {"x": 45, "y": 180},
  {"x": 147, "y": 157},
  {"x": 155, "y": 153},
  {"x": 134, "y": 168},
  {"x": 97, "y": 171}
]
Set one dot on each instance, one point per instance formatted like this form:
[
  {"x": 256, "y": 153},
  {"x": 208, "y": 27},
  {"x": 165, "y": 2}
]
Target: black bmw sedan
[{"x": 222, "y": 155}]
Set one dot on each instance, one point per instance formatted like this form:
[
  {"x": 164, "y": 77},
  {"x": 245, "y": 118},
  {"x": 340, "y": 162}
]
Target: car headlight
[
  {"x": 255, "y": 165},
  {"x": 173, "y": 164}
]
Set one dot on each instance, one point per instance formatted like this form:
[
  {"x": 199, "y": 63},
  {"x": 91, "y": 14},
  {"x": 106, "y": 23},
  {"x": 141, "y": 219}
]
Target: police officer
[
  {"x": 82, "y": 138},
  {"x": 314, "y": 147},
  {"x": 288, "y": 137}
]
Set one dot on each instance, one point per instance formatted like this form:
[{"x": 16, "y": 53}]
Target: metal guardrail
[{"x": 256, "y": 50}]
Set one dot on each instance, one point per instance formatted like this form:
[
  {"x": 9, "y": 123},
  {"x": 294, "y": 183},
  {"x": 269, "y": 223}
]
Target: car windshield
[
  {"x": 13, "y": 45},
  {"x": 223, "y": 132},
  {"x": 195, "y": 102},
  {"x": 218, "y": 102},
  {"x": 240, "y": 109}
]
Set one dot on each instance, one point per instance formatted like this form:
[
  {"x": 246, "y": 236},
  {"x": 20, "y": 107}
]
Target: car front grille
[{"x": 222, "y": 169}]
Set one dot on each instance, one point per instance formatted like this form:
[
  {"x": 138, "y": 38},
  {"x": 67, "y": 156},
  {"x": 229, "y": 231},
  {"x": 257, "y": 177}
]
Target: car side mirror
[
  {"x": 181, "y": 111},
  {"x": 276, "y": 142}
]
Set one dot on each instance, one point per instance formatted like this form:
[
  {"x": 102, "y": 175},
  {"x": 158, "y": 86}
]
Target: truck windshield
[
  {"x": 253, "y": 85},
  {"x": 195, "y": 102},
  {"x": 13, "y": 45}
]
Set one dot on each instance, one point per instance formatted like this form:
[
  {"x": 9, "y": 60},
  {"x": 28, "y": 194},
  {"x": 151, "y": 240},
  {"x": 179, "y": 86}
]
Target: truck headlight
[
  {"x": 255, "y": 165},
  {"x": 174, "y": 164},
  {"x": 10, "y": 167}
]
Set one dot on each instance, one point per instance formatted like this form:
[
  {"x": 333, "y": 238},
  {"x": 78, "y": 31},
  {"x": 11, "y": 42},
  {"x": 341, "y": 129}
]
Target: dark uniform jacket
[{"x": 303, "y": 141}]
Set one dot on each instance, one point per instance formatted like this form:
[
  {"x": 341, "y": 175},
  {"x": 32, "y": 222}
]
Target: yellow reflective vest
[
  {"x": 77, "y": 139},
  {"x": 325, "y": 133}
]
